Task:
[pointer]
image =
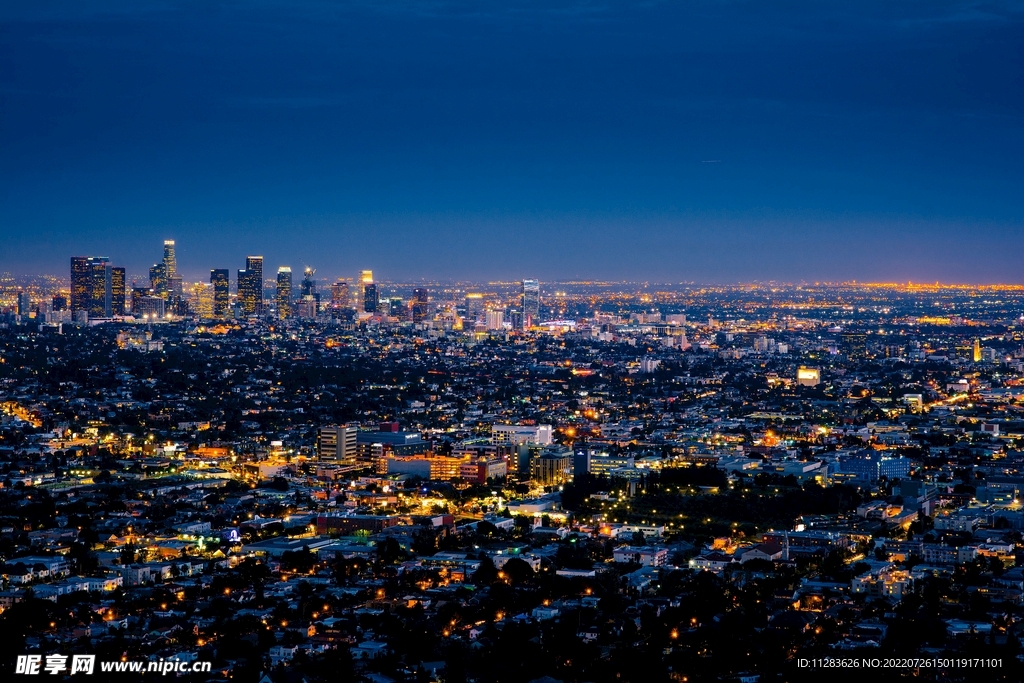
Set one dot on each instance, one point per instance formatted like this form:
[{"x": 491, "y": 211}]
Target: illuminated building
[
  {"x": 531, "y": 303},
  {"x": 808, "y": 377},
  {"x": 521, "y": 434},
  {"x": 856, "y": 344},
  {"x": 170, "y": 261},
  {"x": 420, "y": 305},
  {"x": 340, "y": 296},
  {"x": 202, "y": 297},
  {"x": 371, "y": 298},
  {"x": 474, "y": 307},
  {"x": 88, "y": 285},
  {"x": 284, "y": 292},
  {"x": 117, "y": 291},
  {"x": 495, "y": 320},
  {"x": 977, "y": 351},
  {"x": 220, "y": 279},
  {"x": 158, "y": 279},
  {"x": 366, "y": 277},
  {"x": 23, "y": 302},
  {"x": 552, "y": 467},
  {"x": 250, "y": 286},
  {"x": 337, "y": 443},
  {"x": 100, "y": 293}
]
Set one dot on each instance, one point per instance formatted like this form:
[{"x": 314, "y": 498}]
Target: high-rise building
[
  {"x": 308, "y": 282},
  {"x": 495, "y": 320},
  {"x": 531, "y": 303},
  {"x": 220, "y": 279},
  {"x": 310, "y": 299},
  {"x": 337, "y": 443},
  {"x": 284, "y": 292},
  {"x": 420, "y": 304},
  {"x": 91, "y": 286},
  {"x": 101, "y": 294},
  {"x": 170, "y": 261},
  {"x": 976, "y": 351},
  {"x": 366, "y": 277},
  {"x": 202, "y": 299},
  {"x": 80, "y": 283},
  {"x": 340, "y": 296},
  {"x": 24, "y": 303},
  {"x": 250, "y": 286},
  {"x": 158, "y": 280},
  {"x": 117, "y": 291},
  {"x": 397, "y": 308},
  {"x": 474, "y": 306},
  {"x": 371, "y": 298}
]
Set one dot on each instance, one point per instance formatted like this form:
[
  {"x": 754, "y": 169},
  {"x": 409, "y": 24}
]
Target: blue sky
[{"x": 678, "y": 141}]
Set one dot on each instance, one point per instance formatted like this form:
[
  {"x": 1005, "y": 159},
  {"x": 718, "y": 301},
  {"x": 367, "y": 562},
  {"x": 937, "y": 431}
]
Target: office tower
[
  {"x": 170, "y": 262},
  {"x": 158, "y": 279},
  {"x": 24, "y": 303},
  {"x": 81, "y": 287},
  {"x": 976, "y": 355},
  {"x": 91, "y": 286},
  {"x": 495, "y": 320},
  {"x": 337, "y": 443},
  {"x": 474, "y": 306},
  {"x": 340, "y": 296},
  {"x": 310, "y": 299},
  {"x": 515, "y": 319},
  {"x": 117, "y": 291},
  {"x": 250, "y": 286},
  {"x": 420, "y": 304},
  {"x": 100, "y": 294},
  {"x": 531, "y": 303},
  {"x": 202, "y": 299},
  {"x": 175, "y": 288},
  {"x": 580, "y": 460},
  {"x": 284, "y": 292},
  {"x": 220, "y": 279},
  {"x": 366, "y": 277},
  {"x": 371, "y": 299},
  {"x": 309, "y": 283}
]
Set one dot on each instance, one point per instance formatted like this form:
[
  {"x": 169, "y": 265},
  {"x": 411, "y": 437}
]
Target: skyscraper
[
  {"x": 158, "y": 279},
  {"x": 531, "y": 303},
  {"x": 284, "y": 292},
  {"x": 250, "y": 286},
  {"x": 80, "y": 287},
  {"x": 91, "y": 286},
  {"x": 474, "y": 307},
  {"x": 371, "y": 298},
  {"x": 420, "y": 304},
  {"x": 202, "y": 299},
  {"x": 976, "y": 351},
  {"x": 170, "y": 262},
  {"x": 117, "y": 291},
  {"x": 310, "y": 307},
  {"x": 220, "y": 279},
  {"x": 101, "y": 294},
  {"x": 340, "y": 297}
]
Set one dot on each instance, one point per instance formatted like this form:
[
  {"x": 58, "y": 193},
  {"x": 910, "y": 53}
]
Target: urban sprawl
[{"x": 360, "y": 480}]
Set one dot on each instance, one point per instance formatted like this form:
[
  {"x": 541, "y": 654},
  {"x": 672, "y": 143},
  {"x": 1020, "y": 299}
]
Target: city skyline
[{"x": 713, "y": 143}]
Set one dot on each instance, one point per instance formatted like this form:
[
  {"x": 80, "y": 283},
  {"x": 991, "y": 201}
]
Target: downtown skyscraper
[
  {"x": 220, "y": 278},
  {"x": 531, "y": 303},
  {"x": 250, "y": 286}
]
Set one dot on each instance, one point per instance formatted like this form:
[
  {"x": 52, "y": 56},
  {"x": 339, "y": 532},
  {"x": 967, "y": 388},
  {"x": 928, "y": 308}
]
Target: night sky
[{"x": 707, "y": 141}]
